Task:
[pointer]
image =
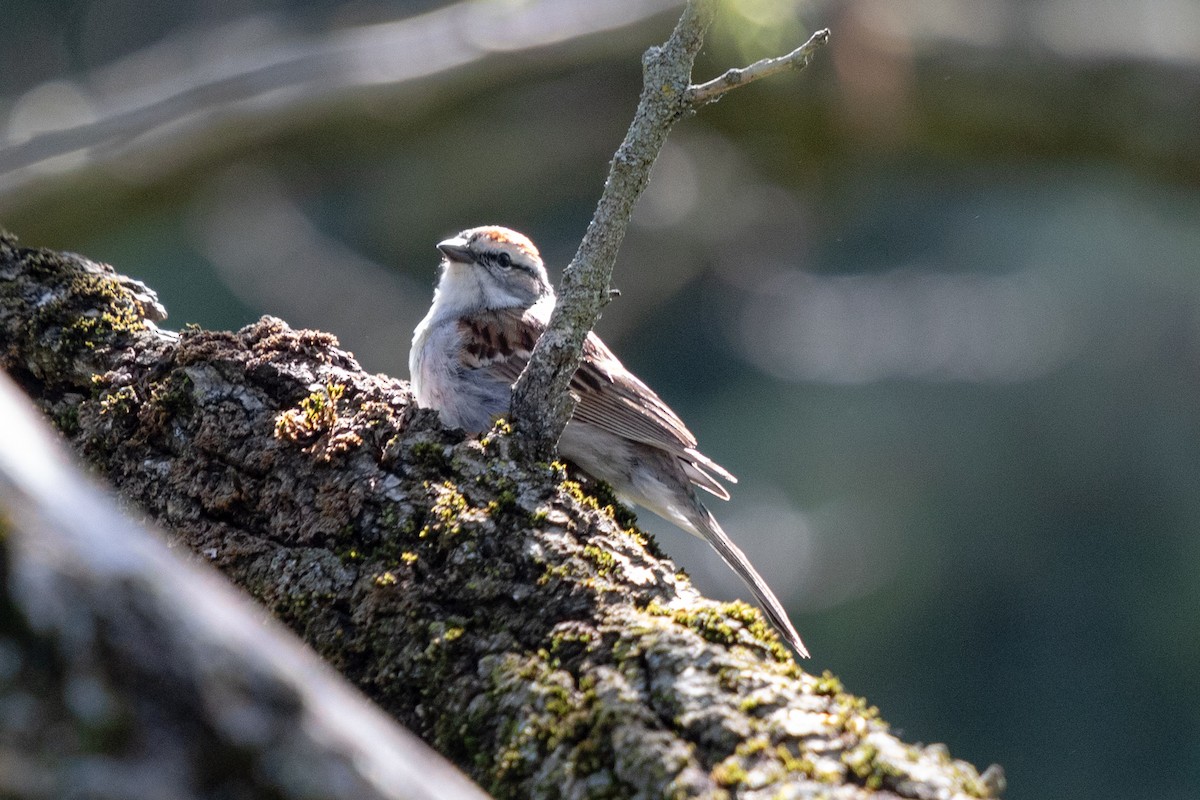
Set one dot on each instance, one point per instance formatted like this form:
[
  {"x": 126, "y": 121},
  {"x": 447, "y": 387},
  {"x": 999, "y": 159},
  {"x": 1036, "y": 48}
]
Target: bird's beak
[{"x": 456, "y": 249}]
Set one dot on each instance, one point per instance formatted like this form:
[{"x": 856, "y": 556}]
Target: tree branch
[
  {"x": 710, "y": 91},
  {"x": 520, "y": 626},
  {"x": 541, "y": 404}
]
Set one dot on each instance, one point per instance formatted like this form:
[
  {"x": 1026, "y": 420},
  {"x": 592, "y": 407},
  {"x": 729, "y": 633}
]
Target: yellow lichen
[
  {"x": 446, "y": 510},
  {"x": 316, "y": 414}
]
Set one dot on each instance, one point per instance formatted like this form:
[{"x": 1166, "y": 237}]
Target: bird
[{"x": 492, "y": 302}]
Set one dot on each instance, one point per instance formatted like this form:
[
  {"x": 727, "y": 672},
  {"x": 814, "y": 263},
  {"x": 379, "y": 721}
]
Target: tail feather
[{"x": 708, "y": 527}]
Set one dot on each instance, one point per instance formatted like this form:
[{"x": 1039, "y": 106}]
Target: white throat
[{"x": 464, "y": 289}]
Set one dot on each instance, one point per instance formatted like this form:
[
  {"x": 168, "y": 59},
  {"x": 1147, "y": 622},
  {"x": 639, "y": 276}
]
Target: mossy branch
[
  {"x": 513, "y": 618},
  {"x": 541, "y": 404}
]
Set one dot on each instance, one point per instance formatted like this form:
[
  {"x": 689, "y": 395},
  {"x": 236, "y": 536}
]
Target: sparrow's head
[{"x": 492, "y": 267}]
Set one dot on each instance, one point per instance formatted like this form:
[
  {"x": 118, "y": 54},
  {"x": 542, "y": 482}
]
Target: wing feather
[{"x": 609, "y": 396}]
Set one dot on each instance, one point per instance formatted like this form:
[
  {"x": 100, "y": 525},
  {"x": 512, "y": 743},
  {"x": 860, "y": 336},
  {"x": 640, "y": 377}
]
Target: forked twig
[{"x": 541, "y": 404}]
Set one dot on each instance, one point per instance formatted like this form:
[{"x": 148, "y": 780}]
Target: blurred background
[{"x": 935, "y": 301}]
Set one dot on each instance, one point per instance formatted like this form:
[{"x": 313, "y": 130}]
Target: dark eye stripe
[{"x": 505, "y": 261}]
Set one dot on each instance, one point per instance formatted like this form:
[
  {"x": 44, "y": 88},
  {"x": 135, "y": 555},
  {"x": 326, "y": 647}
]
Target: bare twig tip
[{"x": 702, "y": 94}]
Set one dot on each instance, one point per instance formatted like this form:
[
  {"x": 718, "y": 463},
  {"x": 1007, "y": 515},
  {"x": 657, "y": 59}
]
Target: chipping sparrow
[{"x": 492, "y": 302}]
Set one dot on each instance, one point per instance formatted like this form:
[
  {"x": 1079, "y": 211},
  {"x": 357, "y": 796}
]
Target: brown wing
[
  {"x": 501, "y": 341},
  {"x": 609, "y": 396}
]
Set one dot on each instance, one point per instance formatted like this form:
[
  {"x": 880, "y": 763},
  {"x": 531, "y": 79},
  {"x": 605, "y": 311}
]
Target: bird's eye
[{"x": 504, "y": 260}]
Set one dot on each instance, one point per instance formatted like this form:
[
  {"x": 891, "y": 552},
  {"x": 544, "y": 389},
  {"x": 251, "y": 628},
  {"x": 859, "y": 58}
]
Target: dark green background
[{"x": 934, "y": 301}]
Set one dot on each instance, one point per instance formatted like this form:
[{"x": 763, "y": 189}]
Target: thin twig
[
  {"x": 541, "y": 404},
  {"x": 704, "y": 93}
]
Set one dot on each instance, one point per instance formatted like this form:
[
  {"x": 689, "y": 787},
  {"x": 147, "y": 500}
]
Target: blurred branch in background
[
  {"x": 272, "y": 255},
  {"x": 153, "y": 108},
  {"x": 917, "y": 323},
  {"x": 1042, "y": 78},
  {"x": 251, "y": 72}
]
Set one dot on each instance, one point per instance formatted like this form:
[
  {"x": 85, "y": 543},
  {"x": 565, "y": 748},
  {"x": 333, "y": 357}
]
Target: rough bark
[{"x": 515, "y": 620}]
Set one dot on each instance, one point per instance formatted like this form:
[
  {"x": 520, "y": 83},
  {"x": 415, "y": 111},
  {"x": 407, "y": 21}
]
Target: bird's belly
[{"x": 463, "y": 398}]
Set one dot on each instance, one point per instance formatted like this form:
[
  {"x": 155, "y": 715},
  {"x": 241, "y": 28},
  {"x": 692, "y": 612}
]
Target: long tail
[{"x": 708, "y": 527}]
